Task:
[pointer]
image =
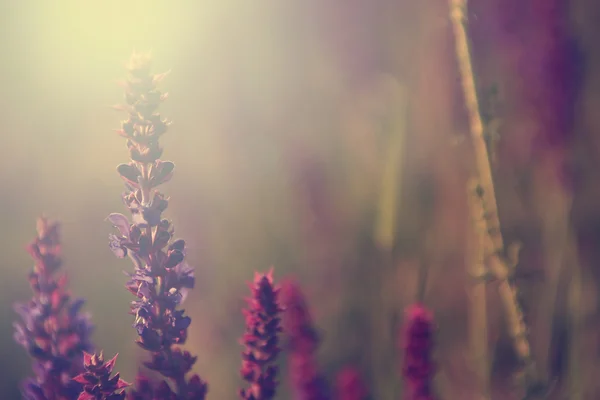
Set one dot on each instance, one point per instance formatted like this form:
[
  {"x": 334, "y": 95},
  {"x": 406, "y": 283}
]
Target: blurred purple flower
[
  {"x": 418, "y": 368},
  {"x": 161, "y": 278},
  {"x": 350, "y": 385},
  {"x": 96, "y": 380},
  {"x": 261, "y": 339},
  {"x": 52, "y": 330},
  {"x": 303, "y": 341}
]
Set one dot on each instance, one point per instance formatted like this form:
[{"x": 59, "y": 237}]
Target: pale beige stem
[
  {"x": 478, "y": 326},
  {"x": 575, "y": 378},
  {"x": 391, "y": 183},
  {"x": 498, "y": 266},
  {"x": 385, "y": 227},
  {"x": 482, "y": 161},
  {"x": 554, "y": 204}
]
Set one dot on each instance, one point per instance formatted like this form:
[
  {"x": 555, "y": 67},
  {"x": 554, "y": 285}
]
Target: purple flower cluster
[
  {"x": 52, "y": 330},
  {"x": 145, "y": 389},
  {"x": 161, "y": 277},
  {"x": 303, "y": 341},
  {"x": 417, "y": 344},
  {"x": 56, "y": 334},
  {"x": 350, "y": 385},
  {"x": 96, "y": 380},
  {"x": 261, "y": 339}
]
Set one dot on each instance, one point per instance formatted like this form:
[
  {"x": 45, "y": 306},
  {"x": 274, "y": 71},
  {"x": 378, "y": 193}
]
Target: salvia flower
[
  {"x": 145, "y": 389},
  {"x": 96, "y": 380},
  {"x": 303, "y": 341},
  {"x": 418, "y": 368},
  {"x": 349, "y": 385},
  {"x": 52, "y": 328},
  {"x": 261, "y": 339},
  {"x": 161, "y": 277}
]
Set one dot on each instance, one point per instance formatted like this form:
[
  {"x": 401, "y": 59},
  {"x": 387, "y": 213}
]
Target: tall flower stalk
[
  {"x": 349, "y": 385},
  {"x": 303, "y": 341},
  {"x": 418, "y": 367},
  {"x": 261, "y": 339},
  {"x": 162, "y": 277},
  {"x": 52, "y": 329}
]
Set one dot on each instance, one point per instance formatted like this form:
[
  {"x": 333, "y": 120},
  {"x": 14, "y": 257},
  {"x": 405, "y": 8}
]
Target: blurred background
[{"x": 328, "y": 139}]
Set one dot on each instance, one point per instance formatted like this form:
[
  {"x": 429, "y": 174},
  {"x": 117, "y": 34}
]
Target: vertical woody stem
[
  {"x": 476, "y": 127},
  {"x": 576, "y": 378},
  {"x": 499, "y": 266},
  {"x": 478, "y": 329}
]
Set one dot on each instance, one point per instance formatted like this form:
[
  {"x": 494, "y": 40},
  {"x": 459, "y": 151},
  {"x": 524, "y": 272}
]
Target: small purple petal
[
  {"x": 115, "y": 246},
  {"x": 174, "y": 258},
  {"x": 20, "y": 335},
  {"x": 178, "y": 244},
  {"x": 76, "y": 307},
  {"x": 120, "y": 222},
  {"x": 183, "y": 323}
]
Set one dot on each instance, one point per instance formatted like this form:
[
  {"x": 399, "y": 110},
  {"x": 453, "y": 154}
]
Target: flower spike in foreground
[
  {"x": 53, "y": 330},
  {"x": 418, "y": 368},
  {"x": 261, "y": 339},
  {"x": 303, "y": 341},
  {"x": 96, "y": 380},
  {"x": 162, "y": 277}
]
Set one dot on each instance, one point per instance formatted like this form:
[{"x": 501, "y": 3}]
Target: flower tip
[
  {"x": 159, "y": 77},
  {"x": 41, "y": 224},
  {"x": 110, "y": 364},
  {"x": 87, "y": 358},
  {"x": 121, "y": 384},
  {"x": 270, "y": 273},
  {"x": 419, "y": 312}
]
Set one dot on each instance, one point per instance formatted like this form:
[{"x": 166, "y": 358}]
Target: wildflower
[
  {"x": 52, "y": 328},
  {"x": 96, "y": 380},
  {"x": 162, "y": 277},
  {"x": 303, "y": 342},
  {"x": 418, "y": 368},
  {"x": 349, "y": 385},
  {"x": 148, "y": 390},
  {"x": 143, "y": 389},
  {"x": 261, "y": 340}
]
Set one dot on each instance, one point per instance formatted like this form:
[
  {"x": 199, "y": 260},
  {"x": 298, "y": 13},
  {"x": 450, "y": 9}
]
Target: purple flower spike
[
  {"x": 418, "y": 368},
  {"x": 145, "y": 389},
  {"x": 261, "y": 339},
  {"x": 96, "y": 380},
  {"x": 303, "y": 341},
  {"x": 52, "y": 328},
  {"x": 350, "y": 385},
  {"x": 161, "y": 278}
]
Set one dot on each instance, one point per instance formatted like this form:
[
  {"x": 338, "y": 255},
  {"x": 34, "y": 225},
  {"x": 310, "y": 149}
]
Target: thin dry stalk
[
  {"x": 391, "y": 176},
  {"x": 575, "y": 376},
  {"x": 385, "y": 236},
  {"x": 555, "y": 209},
  {"x": 476, "y": 128},
  {"x": 478, "y": 329},
  {"x": 499, "y": 266}
]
